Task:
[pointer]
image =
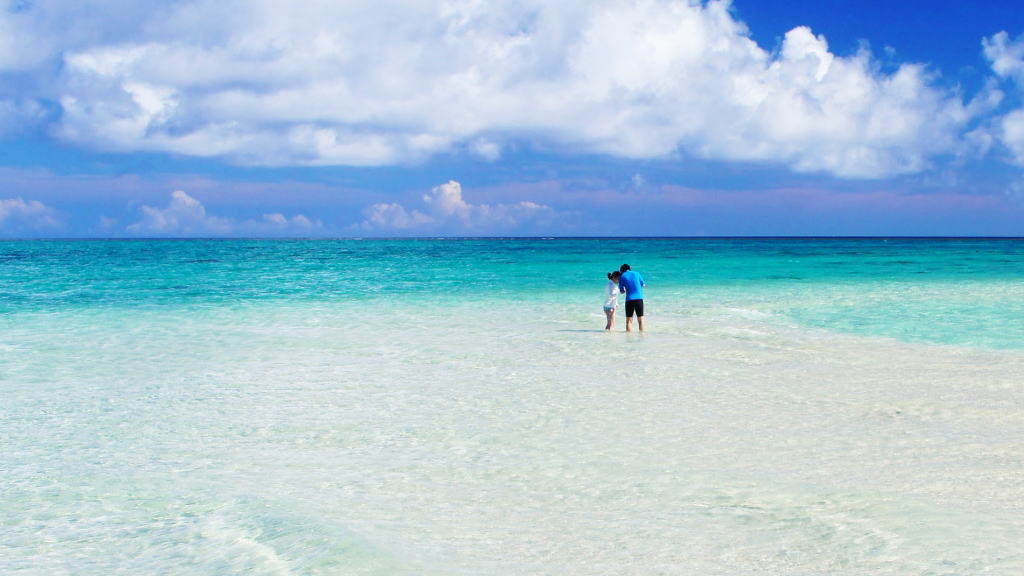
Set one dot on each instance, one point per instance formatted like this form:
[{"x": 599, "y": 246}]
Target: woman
[{"x": 611, "y": 298}]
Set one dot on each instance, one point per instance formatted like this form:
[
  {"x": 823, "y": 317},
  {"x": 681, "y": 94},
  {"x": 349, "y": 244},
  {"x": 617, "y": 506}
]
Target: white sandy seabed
[{"x": 491, "y": 439}]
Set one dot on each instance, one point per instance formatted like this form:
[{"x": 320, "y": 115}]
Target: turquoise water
[
  {"x": 337, "y": 407},
  {"x": 952, "y": 291}
]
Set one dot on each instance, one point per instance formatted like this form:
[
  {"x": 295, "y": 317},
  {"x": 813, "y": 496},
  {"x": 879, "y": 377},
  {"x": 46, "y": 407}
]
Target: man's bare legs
[{"x": 639, "y": 323}]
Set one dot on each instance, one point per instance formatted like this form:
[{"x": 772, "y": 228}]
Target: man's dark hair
[{"x": 624, "y": 267}]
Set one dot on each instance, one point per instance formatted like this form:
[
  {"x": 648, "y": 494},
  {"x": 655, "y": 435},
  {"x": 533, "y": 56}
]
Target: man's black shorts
[{"x": 634, "y": 306}]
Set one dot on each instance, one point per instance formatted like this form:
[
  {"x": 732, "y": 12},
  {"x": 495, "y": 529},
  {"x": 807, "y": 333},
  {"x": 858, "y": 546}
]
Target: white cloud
[
  {"x": 1006, "y": 55},
  {"x": 392, "y": 216},
  {"x": 444, "y": 209},
  {"x": 388, "y": 81},
  {"x": 19, "y": 215},
  {"x": 186, "y": 216},
  {"x": 277, "y": 224},
  {"x": 35, "y": 35},
  {"x": 487, "y": 149},
  {"x": 183, "y": 215},
  {"x": 32, "y": 33},
  {"x": 1012, "y": 134},
  {"x": 1007, "y": 59}
]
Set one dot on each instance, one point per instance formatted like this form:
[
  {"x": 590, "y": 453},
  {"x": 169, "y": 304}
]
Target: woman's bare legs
[{"x": 611, "y": 319}]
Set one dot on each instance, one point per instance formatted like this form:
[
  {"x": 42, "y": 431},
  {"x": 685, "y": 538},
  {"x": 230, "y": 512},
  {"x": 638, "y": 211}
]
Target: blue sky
[{"x": 461, "y": 117}]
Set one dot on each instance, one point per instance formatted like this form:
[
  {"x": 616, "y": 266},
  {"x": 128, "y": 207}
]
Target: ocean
[{"x": 453, "y": 406}]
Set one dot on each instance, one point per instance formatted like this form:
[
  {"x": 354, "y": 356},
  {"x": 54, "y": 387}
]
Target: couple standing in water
[{"x": 632, "y": 284}]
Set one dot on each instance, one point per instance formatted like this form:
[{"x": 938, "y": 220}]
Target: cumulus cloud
[
  {"x": 1006, "y": 55},
  {"x": 1012, "y": 134},
  {"x": 277, "y": 224},
  {"x": 33, "y": 33},
  {"x": 393, "y": 216},
  {"x": 444, "y": 209},
  {"x": 34, "y": 36},
  {"x": 183, "y": 215},
  {"x": 186, "y": 216},
  {"x": 388, "y": 81},
  {"x": 1007, "y": 58},
  {"x": 20, "y": 215}
]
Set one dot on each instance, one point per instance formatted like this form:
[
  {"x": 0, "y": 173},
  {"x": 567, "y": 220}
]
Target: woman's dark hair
[
  {"x": 624, "y": 267},
  {"x": 612, "y": 275}
]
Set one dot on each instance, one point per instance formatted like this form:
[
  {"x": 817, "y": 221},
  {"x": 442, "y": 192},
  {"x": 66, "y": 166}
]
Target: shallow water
[{"x": 452, "y": 407}]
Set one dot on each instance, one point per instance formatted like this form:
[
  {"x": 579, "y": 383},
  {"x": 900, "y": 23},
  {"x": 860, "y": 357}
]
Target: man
[{"x": 632, "y": 283}]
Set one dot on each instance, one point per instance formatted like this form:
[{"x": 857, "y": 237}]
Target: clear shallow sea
[{"x": 452, "y": 407}]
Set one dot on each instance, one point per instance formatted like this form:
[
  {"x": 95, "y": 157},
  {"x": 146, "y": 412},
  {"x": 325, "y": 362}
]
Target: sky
[{"x": 269, "y": 118}]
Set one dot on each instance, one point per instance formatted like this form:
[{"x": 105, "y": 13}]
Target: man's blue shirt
[{"x": 632, "y": 283}]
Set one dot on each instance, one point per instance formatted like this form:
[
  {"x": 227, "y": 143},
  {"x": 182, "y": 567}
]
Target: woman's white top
[{"x": 611, "y": 294}]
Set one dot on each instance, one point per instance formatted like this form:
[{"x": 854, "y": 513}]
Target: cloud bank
[
  {"x": 186, "y": 216},
  {"x": 364, "y": 83},
  {"x": 20, "y": 215},
  {"x": 445, "y": 210}
]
